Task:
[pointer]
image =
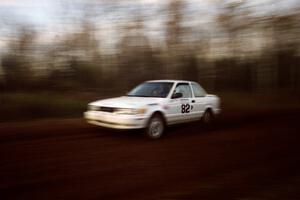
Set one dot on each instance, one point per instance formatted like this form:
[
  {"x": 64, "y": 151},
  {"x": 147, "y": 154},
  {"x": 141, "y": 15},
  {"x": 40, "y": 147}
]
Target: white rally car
[{"x": 153, "y": 105}]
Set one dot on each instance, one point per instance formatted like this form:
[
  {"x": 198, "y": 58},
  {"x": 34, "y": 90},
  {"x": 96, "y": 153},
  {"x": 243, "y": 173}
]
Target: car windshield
[{"x": 151, "y": 89}]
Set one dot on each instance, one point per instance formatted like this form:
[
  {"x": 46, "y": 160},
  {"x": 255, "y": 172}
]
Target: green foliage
[{"x": 20, "y": 106}]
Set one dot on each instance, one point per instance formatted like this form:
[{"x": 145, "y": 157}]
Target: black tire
[
  {"x": 156, "y": 127},
  {"x": 208, "y": 118}
]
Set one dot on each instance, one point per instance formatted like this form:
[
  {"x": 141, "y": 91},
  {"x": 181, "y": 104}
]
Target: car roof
[{"x": 168, "y": 80}]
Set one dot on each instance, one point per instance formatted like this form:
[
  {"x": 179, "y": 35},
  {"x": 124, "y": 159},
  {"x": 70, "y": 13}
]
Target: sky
[
  {"x": 46, "y": 15},
  {"x": 45, "y": 11}
]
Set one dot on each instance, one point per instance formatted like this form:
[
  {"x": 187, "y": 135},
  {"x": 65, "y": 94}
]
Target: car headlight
[{"x": 130, "y": 111}]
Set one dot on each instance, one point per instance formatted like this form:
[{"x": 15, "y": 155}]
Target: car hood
[{"x": 127, "y": 102}]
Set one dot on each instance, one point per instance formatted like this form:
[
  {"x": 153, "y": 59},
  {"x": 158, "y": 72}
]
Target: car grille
[
  {"x": 102, "y": 109},
  {"x": 106, "y": 109}
]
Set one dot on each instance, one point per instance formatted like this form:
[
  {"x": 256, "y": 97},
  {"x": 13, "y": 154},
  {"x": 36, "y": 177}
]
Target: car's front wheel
[{"x": 156, "y": 127}]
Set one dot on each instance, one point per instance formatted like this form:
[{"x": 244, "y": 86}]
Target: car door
[
  {"x": 198, "y": 101},
  {"x": 180, "y": 108}
]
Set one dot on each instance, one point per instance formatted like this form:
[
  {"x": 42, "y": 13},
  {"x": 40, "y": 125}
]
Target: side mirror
[{"x": 177, "y": 95}]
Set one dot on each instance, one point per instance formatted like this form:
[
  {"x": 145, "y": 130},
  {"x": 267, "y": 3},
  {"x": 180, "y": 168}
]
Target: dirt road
[{"x": 255, "y": 157}]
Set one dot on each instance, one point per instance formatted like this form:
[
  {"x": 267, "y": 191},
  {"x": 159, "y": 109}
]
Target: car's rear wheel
[
  {"x": 207, "y": 118},
  {"x": 156, "y": 127}
]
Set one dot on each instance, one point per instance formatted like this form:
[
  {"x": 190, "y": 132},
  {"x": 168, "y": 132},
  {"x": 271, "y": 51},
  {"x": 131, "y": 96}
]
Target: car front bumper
[{"x": 115, "y": 121}]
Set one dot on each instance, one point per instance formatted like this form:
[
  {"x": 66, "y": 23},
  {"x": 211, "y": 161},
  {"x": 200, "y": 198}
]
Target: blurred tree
[
  {"x": 235, "y": 19},
  {"x": 76, "y": 58},
  {"x": 16, "y": 63},
  {"x": 286, "y": 31},
  {"x": 174, "y": 28},
  {"x": 178, "y": 55},
  {"x": 138, "y": 61},
  {"x": 250, "y": 52}
]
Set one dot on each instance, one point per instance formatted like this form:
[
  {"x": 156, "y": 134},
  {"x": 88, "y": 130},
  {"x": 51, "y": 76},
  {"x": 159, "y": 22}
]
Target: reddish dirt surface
[{"x": 253, "y": 156}]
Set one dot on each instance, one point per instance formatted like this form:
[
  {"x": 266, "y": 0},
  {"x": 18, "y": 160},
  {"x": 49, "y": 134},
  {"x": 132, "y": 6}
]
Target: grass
[
  {"x": 260, "y": 101},
  {"x": 16, "y": 106},
  {"x": 23, "y": 106}
]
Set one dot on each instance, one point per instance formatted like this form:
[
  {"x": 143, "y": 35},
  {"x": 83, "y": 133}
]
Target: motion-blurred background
[{"x": 57, "y": 55}]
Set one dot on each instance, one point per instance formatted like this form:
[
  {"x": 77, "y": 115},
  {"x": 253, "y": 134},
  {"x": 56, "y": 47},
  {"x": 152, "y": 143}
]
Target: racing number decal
[{"x": 185, "y": 108}]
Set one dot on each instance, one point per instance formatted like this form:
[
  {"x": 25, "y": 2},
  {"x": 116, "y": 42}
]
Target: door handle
[{"x": 193, "y": 101}]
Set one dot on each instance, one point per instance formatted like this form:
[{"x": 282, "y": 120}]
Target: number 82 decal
[{"x": 185, "y": 108}]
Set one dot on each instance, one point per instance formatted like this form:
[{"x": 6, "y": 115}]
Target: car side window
[
  {"x": 185, "y": 89},
  {"x": 198, "y": 90}
]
